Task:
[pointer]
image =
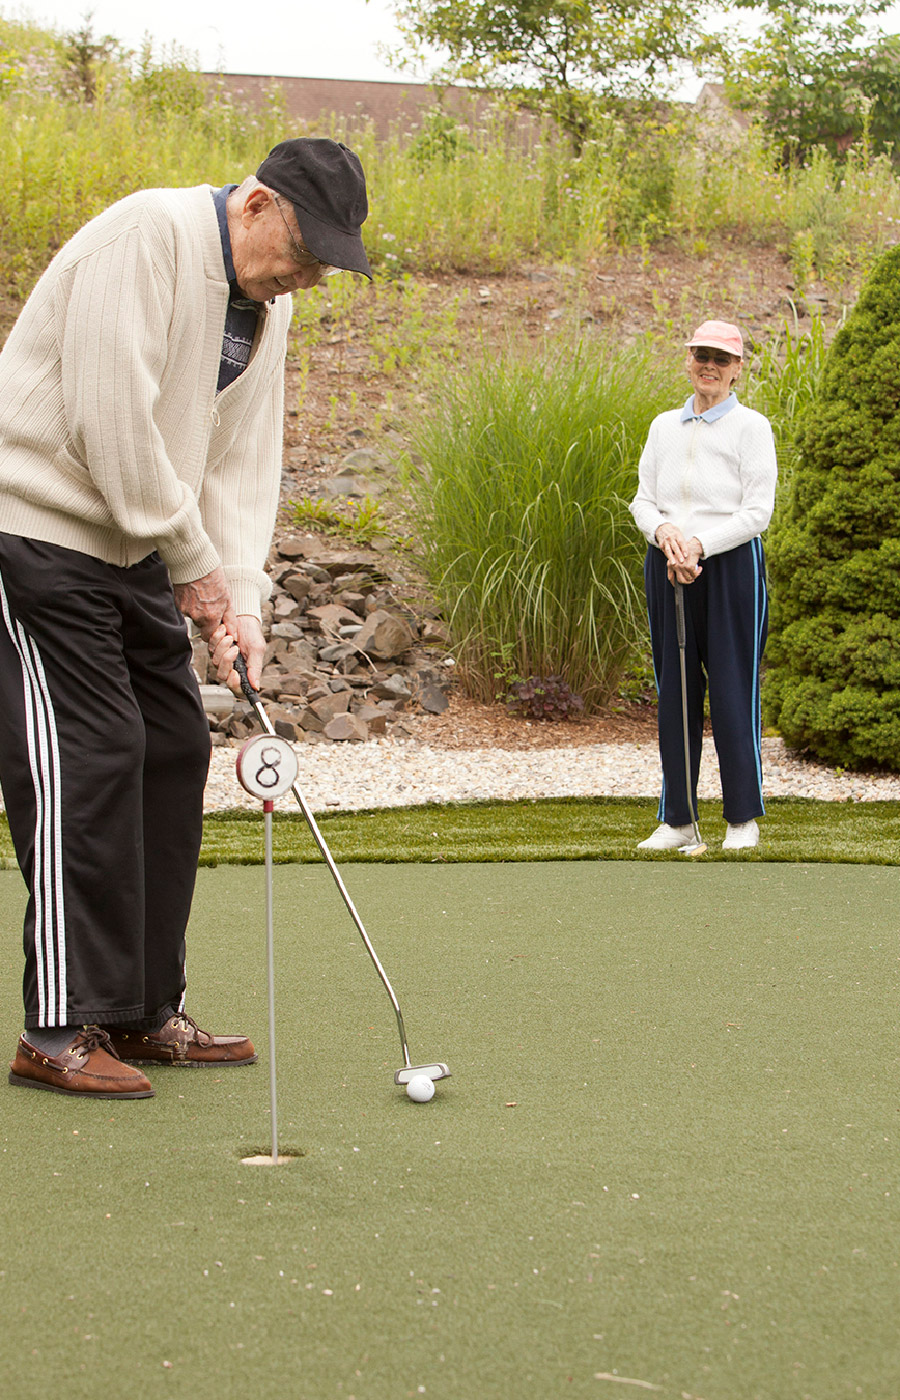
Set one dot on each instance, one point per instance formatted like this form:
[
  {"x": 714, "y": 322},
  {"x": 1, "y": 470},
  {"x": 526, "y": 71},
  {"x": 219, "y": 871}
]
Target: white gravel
[{"x": 404, "y": 772}]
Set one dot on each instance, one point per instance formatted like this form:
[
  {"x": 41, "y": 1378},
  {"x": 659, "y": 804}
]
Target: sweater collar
[{"x": 220, "y": 200}]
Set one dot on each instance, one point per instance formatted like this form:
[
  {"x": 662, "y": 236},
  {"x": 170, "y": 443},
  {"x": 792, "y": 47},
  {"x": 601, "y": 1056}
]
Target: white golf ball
[{"x": 420, "y": 1088}]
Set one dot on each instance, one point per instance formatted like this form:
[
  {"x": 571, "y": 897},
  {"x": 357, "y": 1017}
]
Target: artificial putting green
[
  {"x": 666, "y": 1160},
  {"x": 575, "y": 828},
  {"x": 567, "y": 828}
]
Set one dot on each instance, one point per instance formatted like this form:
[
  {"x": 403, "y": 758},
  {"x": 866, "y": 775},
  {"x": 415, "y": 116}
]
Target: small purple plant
[{"x": 543, "y": 697}]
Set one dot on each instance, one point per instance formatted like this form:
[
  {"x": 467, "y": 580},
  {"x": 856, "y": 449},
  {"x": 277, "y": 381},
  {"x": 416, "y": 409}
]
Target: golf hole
[
  {"x": 262, "y": 1157},
  {"x": 265, "y": 1159}
]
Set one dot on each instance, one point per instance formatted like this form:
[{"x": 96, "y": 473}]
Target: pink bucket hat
[{"x": 718, "y": 335}]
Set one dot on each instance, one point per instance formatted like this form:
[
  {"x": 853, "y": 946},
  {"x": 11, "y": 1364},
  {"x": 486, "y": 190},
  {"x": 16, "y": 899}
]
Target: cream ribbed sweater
[
  {"x": 112, "y": 439},
  {"x": 713, "y": 480}
]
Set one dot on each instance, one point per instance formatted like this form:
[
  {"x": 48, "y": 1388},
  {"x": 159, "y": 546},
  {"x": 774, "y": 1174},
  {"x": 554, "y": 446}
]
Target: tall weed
[
  {"x": 783, "y": 378},
  {"x": 522, "y": 505}
]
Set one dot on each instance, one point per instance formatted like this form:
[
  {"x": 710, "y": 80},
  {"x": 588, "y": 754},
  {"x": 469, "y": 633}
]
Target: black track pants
[
  {"x": 104, "y": 750},
  {"x": 726, "y": 621}
]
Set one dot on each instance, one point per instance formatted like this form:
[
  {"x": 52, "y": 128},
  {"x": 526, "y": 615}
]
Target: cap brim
[
  {"x": 712, "y": 344},
  {"x": 332, "y": 245}
]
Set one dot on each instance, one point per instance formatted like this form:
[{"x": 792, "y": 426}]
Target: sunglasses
[{"x": 718, "y": 357}]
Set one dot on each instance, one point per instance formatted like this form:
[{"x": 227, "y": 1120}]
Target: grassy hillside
[
  {"x": 83, "y": 123},
  {"x": 487, "y": 248}
]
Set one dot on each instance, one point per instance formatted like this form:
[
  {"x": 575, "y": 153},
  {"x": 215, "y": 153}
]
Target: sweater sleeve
[
  {"x": 758, "y": 471},
  {"x": 116, "y": 323},
  {"x": 646, "y": 513}
]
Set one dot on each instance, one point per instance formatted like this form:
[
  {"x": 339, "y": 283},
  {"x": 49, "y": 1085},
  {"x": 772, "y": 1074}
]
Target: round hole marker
[{"x": 267, "y": 767}]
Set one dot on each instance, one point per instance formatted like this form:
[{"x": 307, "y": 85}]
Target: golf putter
[
  {"x": 697, "y": 847},
  {"x": 407, "y": 1070}
]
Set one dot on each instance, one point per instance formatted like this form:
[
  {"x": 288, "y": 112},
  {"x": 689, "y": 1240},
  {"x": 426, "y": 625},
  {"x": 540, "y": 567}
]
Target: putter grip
[
  {"x": 679, "y": 613},
  {"x": 240, "y": 666}
]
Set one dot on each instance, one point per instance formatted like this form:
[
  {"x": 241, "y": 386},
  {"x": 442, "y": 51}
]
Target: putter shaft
[
  {"x": 270, "y": 968},
  {"x": 255, "y": 700},
  {"x": 699, "y": 847}
]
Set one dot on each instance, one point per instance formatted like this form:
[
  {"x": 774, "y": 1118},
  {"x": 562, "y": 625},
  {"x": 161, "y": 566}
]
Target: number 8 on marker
[{"x": 267, "y": 766}]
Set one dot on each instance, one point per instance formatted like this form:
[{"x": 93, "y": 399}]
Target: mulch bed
[{"x": 466, "y": 724}]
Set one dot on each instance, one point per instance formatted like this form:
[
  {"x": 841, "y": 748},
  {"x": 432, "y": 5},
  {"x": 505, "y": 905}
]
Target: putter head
[
  {"x": 404, "y": 1075},
  {"x": 694, "y": 848}
]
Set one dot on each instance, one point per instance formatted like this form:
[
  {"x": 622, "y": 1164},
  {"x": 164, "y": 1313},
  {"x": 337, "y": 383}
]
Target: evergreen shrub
[{"x": 833, "y": 680}]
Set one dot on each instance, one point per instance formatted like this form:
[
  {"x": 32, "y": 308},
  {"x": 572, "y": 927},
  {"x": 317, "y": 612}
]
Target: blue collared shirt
[
  {"x": 718, "y": 410},
  {"x": 242, "y": 313}
]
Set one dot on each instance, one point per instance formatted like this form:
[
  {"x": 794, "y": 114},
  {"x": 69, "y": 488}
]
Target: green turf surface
[
  {"x": 601, "y": 828},
  {"x": 696, "y": 1187}
]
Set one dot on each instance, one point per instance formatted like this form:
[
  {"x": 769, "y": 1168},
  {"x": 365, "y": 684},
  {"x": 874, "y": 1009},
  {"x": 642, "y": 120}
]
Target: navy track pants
[
  {"x": 104, "y": 751},
  {"x": 726, "y": 622}
]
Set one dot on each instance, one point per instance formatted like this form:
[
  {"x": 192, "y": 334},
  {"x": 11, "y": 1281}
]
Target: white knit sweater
[
  {"x": 112, "y": 438},
  {"x": 713, "y": 480}
]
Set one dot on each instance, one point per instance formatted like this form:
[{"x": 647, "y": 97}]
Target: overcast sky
[{"x": 326, "y": 39}]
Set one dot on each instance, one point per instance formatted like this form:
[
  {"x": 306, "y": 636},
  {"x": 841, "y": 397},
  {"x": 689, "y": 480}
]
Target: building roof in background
[
  {"x": 381, "y": 103},
  {"x": 313, "y": 101}
]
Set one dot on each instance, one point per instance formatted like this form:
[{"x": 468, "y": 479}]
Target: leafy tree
[
  {"x": 877, "y": 76},
  {"x": 87, "y": 57},
  {"x": 816, "y": 75},
  {"x": 561, "y": 57},
  {"x": 833, "y": 679}
]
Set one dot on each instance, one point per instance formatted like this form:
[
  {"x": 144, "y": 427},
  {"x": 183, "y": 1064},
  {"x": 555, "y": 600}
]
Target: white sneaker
[
  {"x": 740, "y": 836},
  {"x": 667, "y": 838}
]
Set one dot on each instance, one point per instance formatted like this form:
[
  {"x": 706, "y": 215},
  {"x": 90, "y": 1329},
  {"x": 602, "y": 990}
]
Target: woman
[{"x": 706, "y": 489}]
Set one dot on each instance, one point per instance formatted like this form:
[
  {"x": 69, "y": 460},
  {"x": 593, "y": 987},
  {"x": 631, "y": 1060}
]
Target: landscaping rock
[
  {"x": 295, "y": 547},
  {"x": 338, "y": 651},
  {"x": 352, "y": 487},
  {"x": 433, "y": 699},
  {"x": 218, "y": 700},
  {"x": 435, "y": 632},
  {"x": 291, "y": 686},
  {"x": 392, "y": 688},
  {"x": 331, "y": 616},
  {"x": 375, "y": 719},
  {"x": 366, "y": 459},
  {"x": 347, "y": 728},
  {"x": 334, "y": 618},
  {"x": 384, "y": 635},
  {"x": 286, "y": 608},
  {"x": 297, "y": 585},
  {"x": 331, "y": 705}
]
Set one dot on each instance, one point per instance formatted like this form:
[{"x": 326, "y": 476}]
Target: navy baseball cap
[{"x": 324, "y": 181}]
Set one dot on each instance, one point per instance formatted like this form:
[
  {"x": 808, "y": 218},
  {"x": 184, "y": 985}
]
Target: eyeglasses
[
  {"x": 719, "y": 357},
  {"x": 302, "y": 255}
]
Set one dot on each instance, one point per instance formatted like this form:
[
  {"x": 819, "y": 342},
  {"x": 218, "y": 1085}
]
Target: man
[{"x": 141, "y": 399}]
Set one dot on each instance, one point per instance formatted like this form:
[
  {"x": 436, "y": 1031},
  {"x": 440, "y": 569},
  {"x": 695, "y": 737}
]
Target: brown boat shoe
[
  {"x": 89, "y": 1066},
  {"x": 181, "y": 1042}
]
